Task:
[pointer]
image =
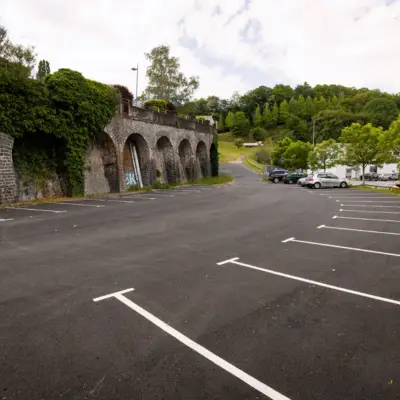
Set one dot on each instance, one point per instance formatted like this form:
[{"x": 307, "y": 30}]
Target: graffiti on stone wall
[{"x": 131, "y": 179}]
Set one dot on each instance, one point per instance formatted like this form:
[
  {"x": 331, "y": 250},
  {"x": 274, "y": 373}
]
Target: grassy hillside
[{"x": 228, "y": 152}]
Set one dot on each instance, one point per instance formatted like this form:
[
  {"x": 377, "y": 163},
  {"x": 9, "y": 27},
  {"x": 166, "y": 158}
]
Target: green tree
[
  {"x": 333, "y": 121},
  {"x": 302, "y": 107},
  {"x": 392, "y": 142},
  {"x": 381, "y": 111},
  {"x": 364, "y": 144},
  {"x": 320, "y": 104},
  {"x": 279, "y": 150},
  {"x": 23, "y": 56},
  {"x": 283, "y": 112},
  {"x": 304, "y": 90},
  {"x": 335, "y": 101},
  {"x": 294, "y": 107},
  {"x": 258, "y": 134},
  {"x": 325, "y": 155},
  {"x": 241, "y": 125},
  {"x": 239, "y": 142},
  {"x": 270, "y": 118},
  {"x": 257, "y": 119},
  {"x": 229, "y": 120},
  {"x": 310, "y": 108},
  {"x": 281, "y": 92},
  {"x": 275, "y": 113},
  {"x": 43, "y": 70},
  {"x": 341, "y": 97},
  {"x": 165, "y": 81},
  {"x": 298, "y": 126},
  {"x": 253, "y": 99},
  {"x": 221, "y": 122},
  {"x": 296, "y": 155}
]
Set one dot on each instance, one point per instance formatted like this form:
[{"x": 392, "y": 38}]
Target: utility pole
[{"x": 137, "y": 79}]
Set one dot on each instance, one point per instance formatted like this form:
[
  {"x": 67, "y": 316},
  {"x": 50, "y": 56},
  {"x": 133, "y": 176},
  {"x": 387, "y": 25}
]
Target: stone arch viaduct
[{"x": 168, "y": 149}]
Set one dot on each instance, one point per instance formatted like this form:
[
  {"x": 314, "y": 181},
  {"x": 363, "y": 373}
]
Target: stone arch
[
  {"x": 202, "y": 159},
  {"x": 136, "y": 158},
  {"x": 101, "y": 166},
  {"x": 214, "y": 159},
  {"x": 165, "y": 161},
  {"x": 186, "y": 160}
]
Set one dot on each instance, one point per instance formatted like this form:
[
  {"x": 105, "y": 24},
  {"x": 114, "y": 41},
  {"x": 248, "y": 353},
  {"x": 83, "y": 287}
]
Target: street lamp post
[
  {"x": 137, "y": 79},
  {"x": 313, "y": 132}
]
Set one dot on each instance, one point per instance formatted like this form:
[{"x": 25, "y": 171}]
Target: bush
[
  {"x": 262, "y": 156},
  {"x": 258, "y": 134},
  {"x": 163, "y": 104},
  {"x": 239, "y": 143}
]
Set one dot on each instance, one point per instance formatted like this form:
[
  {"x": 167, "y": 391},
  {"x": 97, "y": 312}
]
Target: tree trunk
[{"x": 363, "y": 170}]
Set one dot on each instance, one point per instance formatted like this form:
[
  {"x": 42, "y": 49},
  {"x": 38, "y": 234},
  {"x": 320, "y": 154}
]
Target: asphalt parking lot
[{"x": 243, "y": 291}]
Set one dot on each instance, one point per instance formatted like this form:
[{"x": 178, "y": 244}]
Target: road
[{"x": 305, "y": 306}]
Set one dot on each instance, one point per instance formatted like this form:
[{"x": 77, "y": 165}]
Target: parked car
[
  {"x": 325, "y": 180},
  {"x": 278, "y": 175},
  {"x": 384, "y": 177},
  {"x": 303, "y": 181},
  {"x": 370, "y": 176},
  {"x": 292, "y": 178}
]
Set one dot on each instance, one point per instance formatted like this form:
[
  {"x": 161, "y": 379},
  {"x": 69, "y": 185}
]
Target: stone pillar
[
  {"x": 8, "y": 180},
  {"x": 121, "y": 170}
]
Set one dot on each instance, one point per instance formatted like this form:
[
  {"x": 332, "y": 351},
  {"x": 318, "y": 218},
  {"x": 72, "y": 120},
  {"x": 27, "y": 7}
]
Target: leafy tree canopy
[{"x": 165, "y": 80}]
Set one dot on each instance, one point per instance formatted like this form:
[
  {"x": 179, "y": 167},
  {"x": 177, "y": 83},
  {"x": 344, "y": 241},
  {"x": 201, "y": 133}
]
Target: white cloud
[{"x": 328, "y": 41}]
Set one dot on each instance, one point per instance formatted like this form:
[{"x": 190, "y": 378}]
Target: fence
[{"x": 164, "y": 116}]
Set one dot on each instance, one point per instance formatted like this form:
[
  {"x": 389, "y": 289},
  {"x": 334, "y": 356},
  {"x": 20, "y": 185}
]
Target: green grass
[
  {"x": 377, "y": 190},
  {"x": 214, "y": 180},
  {"x": 229, "y": 152},
  {"x": 254, "y": 165}
]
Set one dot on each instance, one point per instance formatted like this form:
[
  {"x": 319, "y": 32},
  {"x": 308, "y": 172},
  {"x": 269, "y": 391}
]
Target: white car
[
  {"x": 325, "y": 180},
  {"x": 303, "y": 181}
]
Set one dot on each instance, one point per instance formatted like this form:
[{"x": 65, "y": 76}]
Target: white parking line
[
  {"x": 246, "y": 378},
  {"x": 6, "y": 219},
  {"x": 373, "y": 212},
  {"x": 357, "y": 230},
  {"x": 370, "y": 201},
  {"x": 116, "y": 201},
  {"x": 340, "y": 247},
  {"x": 367, "y": 205},
  {"x": 360, "y": 197},
  {"x": 80, "y": 204},
  {"x": 366, "y": 219},
  {"x": 37, "y": 209},
  {"x": 297, "y": 278}
]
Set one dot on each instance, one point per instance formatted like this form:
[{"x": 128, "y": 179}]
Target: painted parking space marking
[
  {"x": 294, "y": 240},
  {"x": 367, "y": 205},
  {"x": 225, "y": 365},
  {"x": 361, "y": 197},
  {"x": 6, "y": 219},
  {"x": 366, "y": 219},
  {"x": 81, "y": 204},
  {"x": 357, "y": 230},
  {"x": 371, "y": 212},
  {"x": 369, "y": 201},
  {"x": 116, "y": 201},
  {"x": 37, "y": 209},
  {"x": 316, "y": 283}
]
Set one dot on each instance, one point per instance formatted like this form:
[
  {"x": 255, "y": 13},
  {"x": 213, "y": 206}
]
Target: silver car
[
  {"x": 325, "y": 180},
  {"x": 303, "y": 181}
]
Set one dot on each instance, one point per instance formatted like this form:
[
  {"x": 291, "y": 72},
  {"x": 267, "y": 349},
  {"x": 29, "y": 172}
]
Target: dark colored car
[
  {"x": 292, "y": 178},
  {"x": 370, "y": 176},
  {"x": 277, "y": 175}
]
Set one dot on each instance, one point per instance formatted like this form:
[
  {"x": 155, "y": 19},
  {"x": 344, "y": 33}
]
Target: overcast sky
[{"x": 233, "y": 45}]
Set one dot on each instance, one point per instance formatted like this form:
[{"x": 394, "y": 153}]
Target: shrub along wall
[{"x": 53, "y": 122}]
